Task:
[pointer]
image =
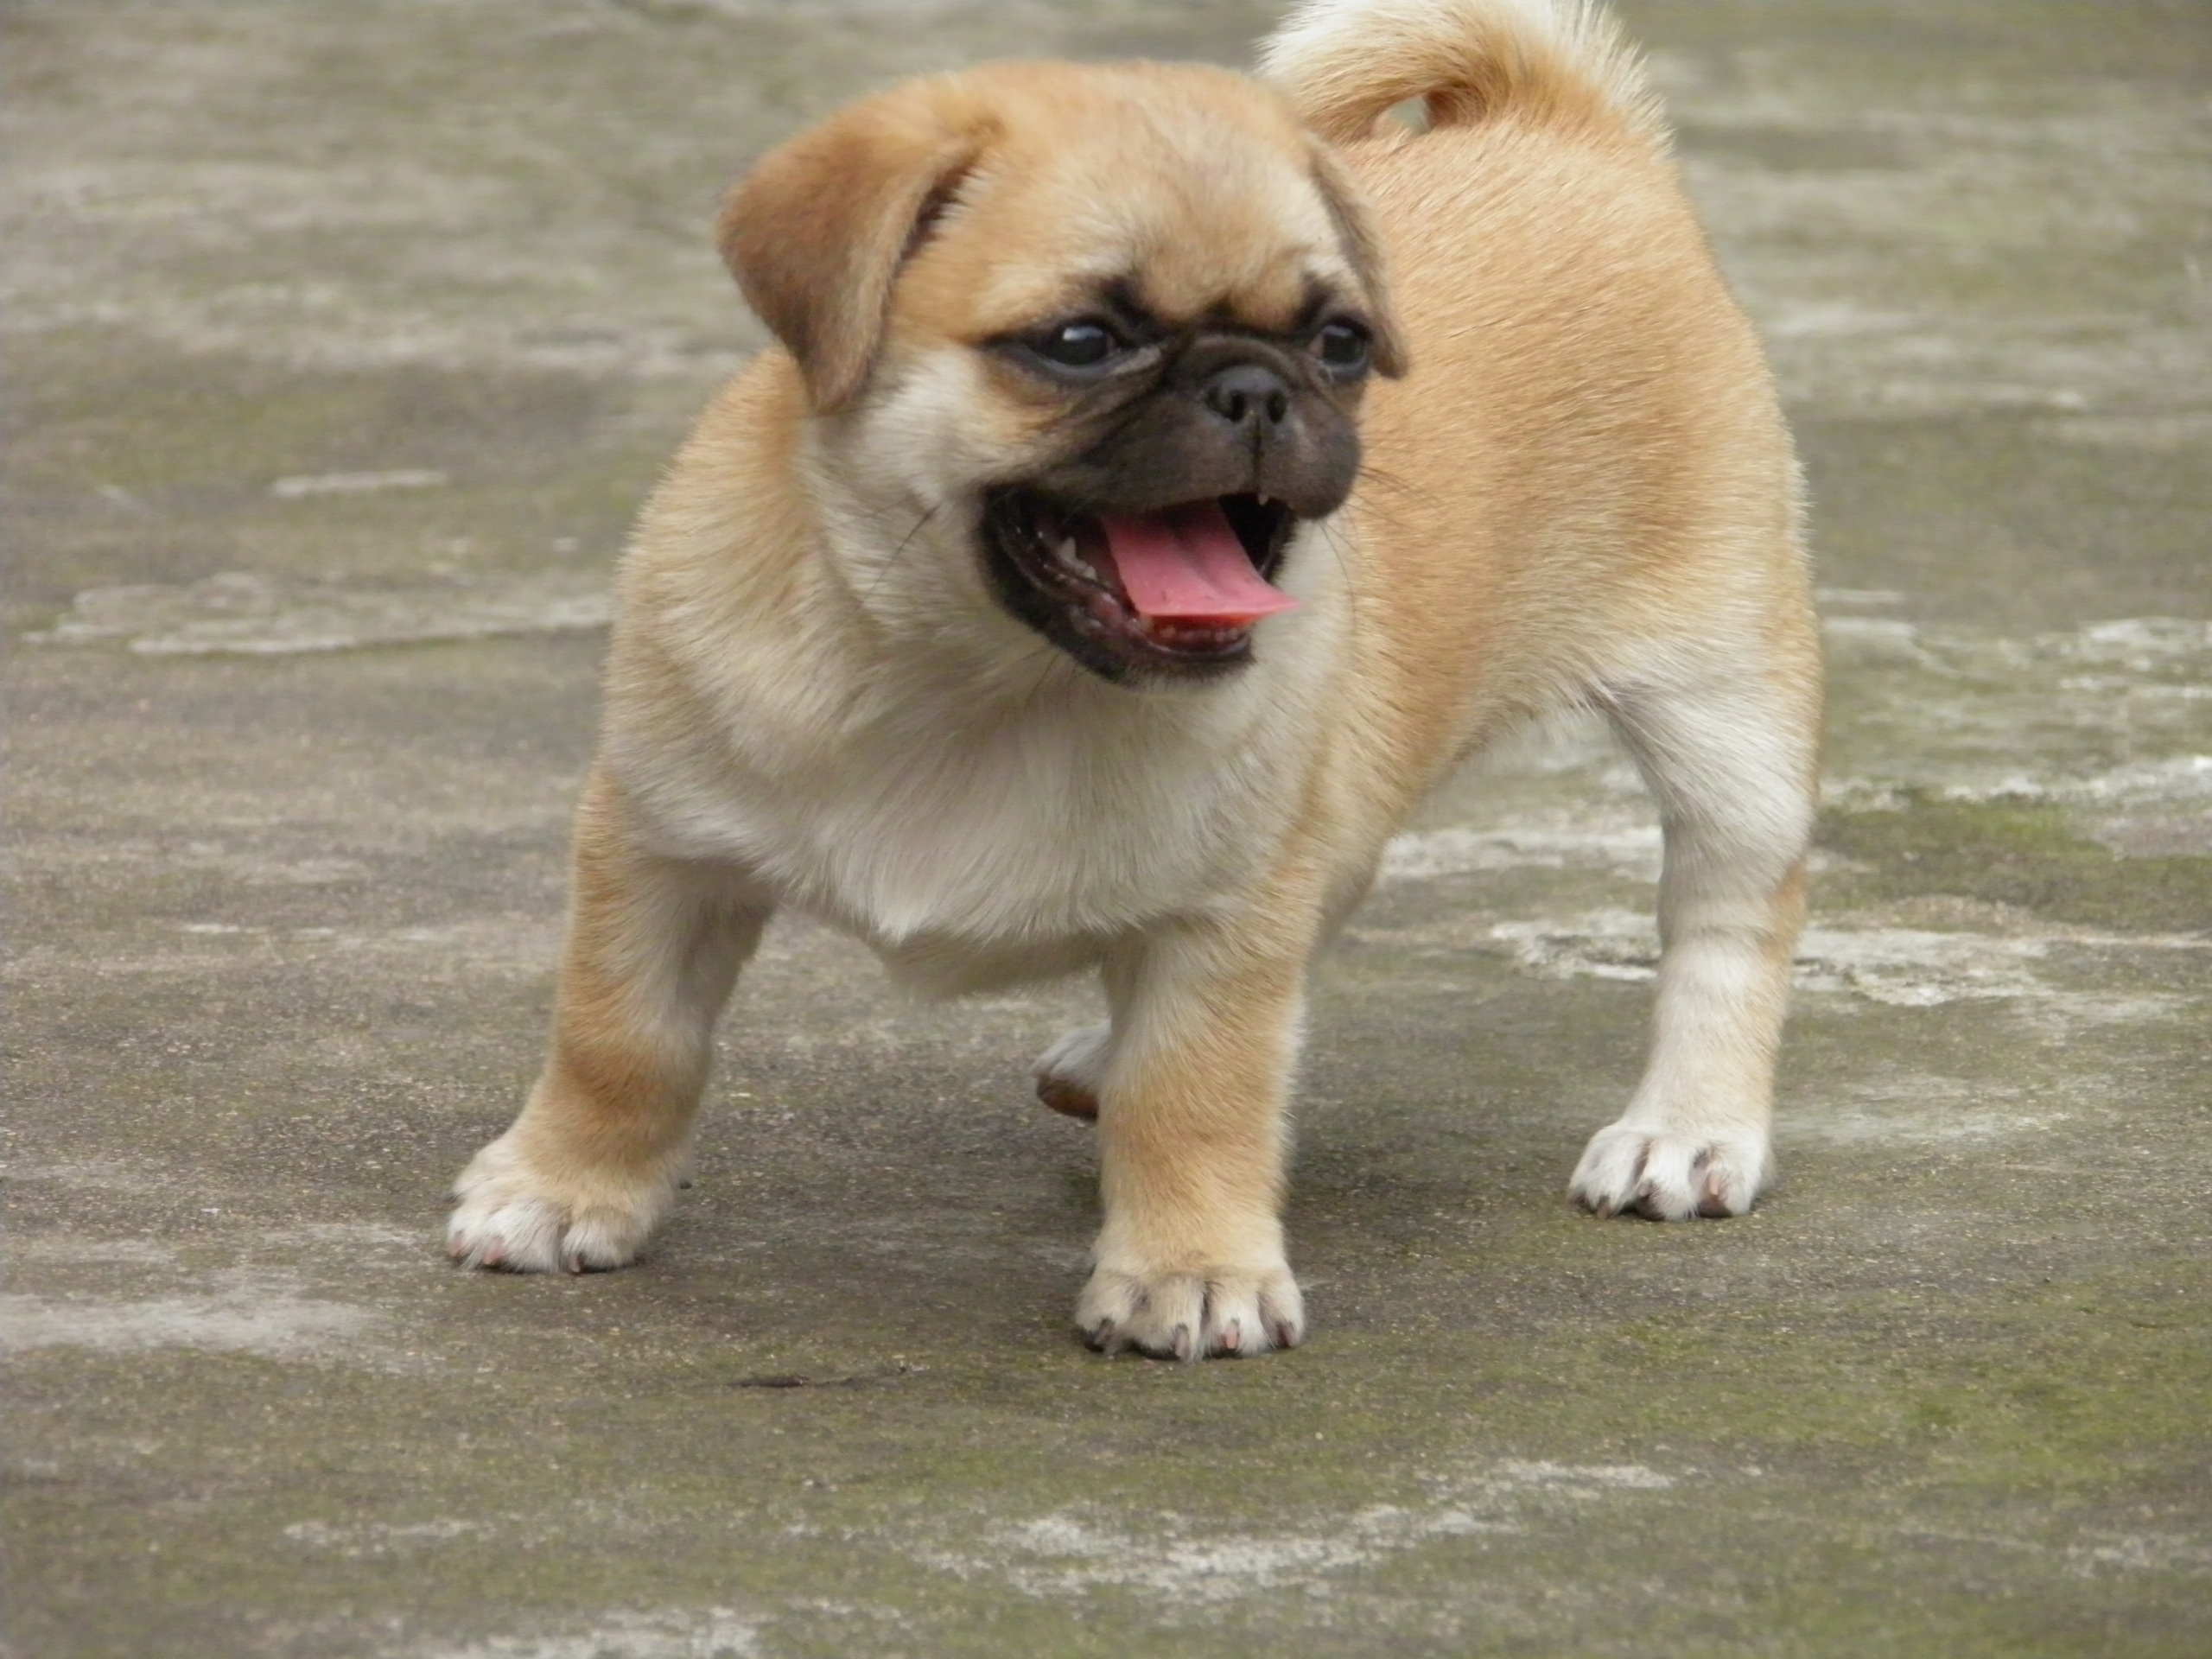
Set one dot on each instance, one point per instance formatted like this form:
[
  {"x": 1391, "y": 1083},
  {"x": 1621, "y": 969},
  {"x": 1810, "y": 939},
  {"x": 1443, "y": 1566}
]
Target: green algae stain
[{"x": 2009, "y": 851}]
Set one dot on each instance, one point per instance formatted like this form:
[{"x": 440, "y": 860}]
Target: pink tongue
[{"x": 1186, "y": 565}]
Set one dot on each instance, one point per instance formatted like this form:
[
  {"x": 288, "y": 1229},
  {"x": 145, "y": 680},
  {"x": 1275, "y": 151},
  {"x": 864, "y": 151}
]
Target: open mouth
[{"x": 1178, "y": 589}]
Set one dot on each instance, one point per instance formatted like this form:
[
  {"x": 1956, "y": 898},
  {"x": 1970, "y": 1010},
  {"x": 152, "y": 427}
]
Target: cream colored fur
[
  {"x": 1582, "y": 493},
  {"x": 1346, "y": 61}
]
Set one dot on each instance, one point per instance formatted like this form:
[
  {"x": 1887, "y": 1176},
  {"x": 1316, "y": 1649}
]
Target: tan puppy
[{"x": 1026, "y": 613}]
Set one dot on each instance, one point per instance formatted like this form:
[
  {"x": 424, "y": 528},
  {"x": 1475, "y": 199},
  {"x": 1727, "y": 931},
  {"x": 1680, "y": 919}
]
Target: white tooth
[
  {"x": 1266, "y": 502},
  {"x": 1067, "y": 555}
]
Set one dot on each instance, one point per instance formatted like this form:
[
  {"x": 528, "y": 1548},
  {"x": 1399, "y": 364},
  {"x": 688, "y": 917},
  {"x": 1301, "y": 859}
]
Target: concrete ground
[{"x": 344, "y": 341}]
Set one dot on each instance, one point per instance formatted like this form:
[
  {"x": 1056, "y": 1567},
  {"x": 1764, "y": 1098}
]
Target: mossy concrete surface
[{"x": 343, "y": 340}]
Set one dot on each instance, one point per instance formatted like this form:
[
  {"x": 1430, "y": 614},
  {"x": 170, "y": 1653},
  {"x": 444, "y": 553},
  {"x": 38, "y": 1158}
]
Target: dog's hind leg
[
  {"x": 1072, "y": 1070},
  {"x": 1732, "y": 763},
  {"x": 654, "y": 946}
]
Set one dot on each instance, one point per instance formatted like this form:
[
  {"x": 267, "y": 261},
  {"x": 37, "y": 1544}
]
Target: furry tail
[{"x": 1558, "y": 62}]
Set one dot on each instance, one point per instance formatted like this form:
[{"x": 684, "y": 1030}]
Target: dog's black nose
[{"x": 1250, "y": 397}]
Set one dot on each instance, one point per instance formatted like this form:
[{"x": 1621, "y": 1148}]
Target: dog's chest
[{"x": 970, "y": 856}]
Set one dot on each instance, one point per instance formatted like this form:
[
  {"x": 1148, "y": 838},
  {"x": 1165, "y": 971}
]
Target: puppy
[{"x": 1029, "y": 610}]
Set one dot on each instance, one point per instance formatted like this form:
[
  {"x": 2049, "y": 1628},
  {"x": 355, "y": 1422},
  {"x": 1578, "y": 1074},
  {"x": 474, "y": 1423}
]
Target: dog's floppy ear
[
  {"x": 1364, "y": 248},
  {"x": 817, "y": 232}
]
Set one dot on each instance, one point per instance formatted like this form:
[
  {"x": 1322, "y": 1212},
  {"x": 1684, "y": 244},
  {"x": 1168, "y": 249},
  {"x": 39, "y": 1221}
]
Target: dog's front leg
[
  {"x": 1207, "y": 1021},
  {"x": 654, "y": 946}
]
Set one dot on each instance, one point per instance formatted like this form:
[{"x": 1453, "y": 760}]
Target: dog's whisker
[
  {"x": 905, "y": 541},
  {"x": 1050, "y": 654},
  {"x": 1331, "y": 535},
  {"x": 1390, "y": 480}
]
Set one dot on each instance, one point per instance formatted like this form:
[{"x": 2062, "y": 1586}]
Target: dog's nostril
[{"x": 1248, "y": 395}]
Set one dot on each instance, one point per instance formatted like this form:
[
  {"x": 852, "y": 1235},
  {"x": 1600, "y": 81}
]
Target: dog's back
[{"x": 1586, "y": 461}]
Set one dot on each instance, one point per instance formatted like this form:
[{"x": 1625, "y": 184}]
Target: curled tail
[{"x": 1559, "y": 63}]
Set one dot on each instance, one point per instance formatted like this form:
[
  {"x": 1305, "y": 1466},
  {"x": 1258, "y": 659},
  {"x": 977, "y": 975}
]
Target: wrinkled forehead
[{"x": 1184, "y": 209}]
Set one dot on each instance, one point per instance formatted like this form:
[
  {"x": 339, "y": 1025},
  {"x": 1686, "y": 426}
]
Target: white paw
[
  {"x": 1632, "y": 1169},
  {"x": 511, "y": 1217},
  {"x": 1192, "y": 1315},
  {"x": 1070, "y": 1072}
]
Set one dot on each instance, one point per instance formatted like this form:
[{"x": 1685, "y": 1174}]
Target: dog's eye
[
  {"x": 1083, "y": 344},
  {"x": 1342, "y": 346}
]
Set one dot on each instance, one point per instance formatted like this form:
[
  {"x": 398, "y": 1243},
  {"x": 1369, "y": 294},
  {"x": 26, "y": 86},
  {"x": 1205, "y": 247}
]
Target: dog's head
[{"x": 1091, "y": 340}]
